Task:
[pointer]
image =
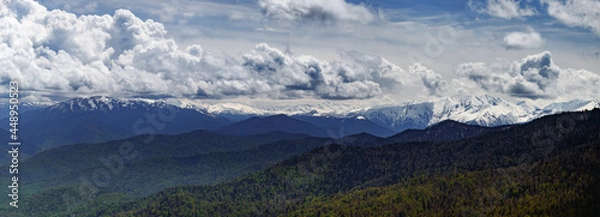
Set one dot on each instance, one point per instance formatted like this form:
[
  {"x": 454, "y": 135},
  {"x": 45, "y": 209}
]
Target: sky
[{"x": 284, "y": 51}]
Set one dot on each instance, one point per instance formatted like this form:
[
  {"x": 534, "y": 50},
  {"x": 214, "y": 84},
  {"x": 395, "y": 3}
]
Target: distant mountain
[
  {"x": 400, "y": 118},
  {"x": 480, "y": 110},
  {"x": 483, "y": 110},
  {"x": 99, "y": 119},
  {"x": 447, "y": 130},
  {"x": 326, "y": 108},
  {"x": 340, "y": 127},
  {"x": 275, "y": 123},
  {"x": 574, "y": 105},
  {"x": 23, "y": 107}
]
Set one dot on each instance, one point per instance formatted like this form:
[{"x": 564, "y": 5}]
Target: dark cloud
[{"x": 323, "y": 11}]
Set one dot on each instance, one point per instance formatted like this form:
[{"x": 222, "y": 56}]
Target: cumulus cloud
[
  {"x": 356, "y": 75},
  {"x": 522, "y": 40},
  {"x": 324, "y": 11},
  {"x": 434, "y": 83},
  {"x": 533, "y": 77},
  {"x": 577, "y": 13},
  {"x": 506, "y": 9},
  {"x": 58, "y": 54}
]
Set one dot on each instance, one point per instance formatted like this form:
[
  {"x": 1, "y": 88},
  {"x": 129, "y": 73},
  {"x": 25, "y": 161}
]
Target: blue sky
[{"x": 358, "y": 51}]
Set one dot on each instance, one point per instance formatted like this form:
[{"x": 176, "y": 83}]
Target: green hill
[{"x": 547, "y": 167}]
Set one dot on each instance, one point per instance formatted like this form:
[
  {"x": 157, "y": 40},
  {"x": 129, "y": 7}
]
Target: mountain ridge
[
  {"x": 281, "y": 123},
  {"x": 323, "y": 173}
]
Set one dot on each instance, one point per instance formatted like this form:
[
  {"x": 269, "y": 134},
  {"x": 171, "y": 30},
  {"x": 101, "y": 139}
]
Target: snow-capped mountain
[
  {"x": 481, "y": 110},
  {"x": 326, "y": 108},
  {"x": 484, "y": 110},
  {"x": 103, "y": 103},
  {"x": 400, "y": 117},
  {"x": 24, "y": 107},
  {"x": 573, "y": 105},
  {"x": 100, "y": 118}
]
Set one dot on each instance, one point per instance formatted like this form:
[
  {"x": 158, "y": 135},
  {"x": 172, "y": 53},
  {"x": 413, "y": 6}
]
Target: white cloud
[
  {"x": 433, "y": 82},
  {"x": 522, "y": 40},
  {"x": 324, "y": 11},
  {"x": 58, "y": 54},
  {"x": 533, "y": 77},
  {"x": 507, "y": 9},
  {"x": 578, "y": 13}
]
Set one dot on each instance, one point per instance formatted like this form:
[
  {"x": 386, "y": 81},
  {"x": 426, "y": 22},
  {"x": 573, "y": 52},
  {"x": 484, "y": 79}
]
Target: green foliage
[{"x": 563, "y": 185}]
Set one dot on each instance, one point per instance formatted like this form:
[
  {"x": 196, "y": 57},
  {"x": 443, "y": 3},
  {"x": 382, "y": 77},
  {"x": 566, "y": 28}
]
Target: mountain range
[
  {"x": 548, "y": 166},
  {"x": 100, "y": 119}
]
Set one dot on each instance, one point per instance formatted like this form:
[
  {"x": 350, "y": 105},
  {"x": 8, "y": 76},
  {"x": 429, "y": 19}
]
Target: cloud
[
  {"x": 576, "y": 13},
  {"x": 506, "y": 9},
  {"x": 323, "y": 11},
  {"x": 433, "y": 82},
  {"x": 522, "y": 40},
  {"x": 356, "y": 75},
  {"x": 57, "y": 54},
  {"x": 533, "y": 77}
]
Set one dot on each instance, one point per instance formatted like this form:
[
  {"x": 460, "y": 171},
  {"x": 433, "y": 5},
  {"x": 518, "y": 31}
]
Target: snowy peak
[
  {"x": 233, "y": 109},
  {"x": 319, "y": 109},
  {"x": 482, "y": 110},
  {"x": 326, "y": 108},
  {"x": 102, "y": 103},
  {"x": 573, "y": 105}
]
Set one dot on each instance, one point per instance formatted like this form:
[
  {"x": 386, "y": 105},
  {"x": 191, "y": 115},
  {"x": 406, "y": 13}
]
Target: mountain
[
  {"x": 23, "y": 107},
  {"x": 198, "y": 157},
  {"x": 234, "y": 112},
  {"x": 483, "y": 110},
  {"x": 545, "y": 167},
  {"x": 326, "y": 108},
  {"x": 340, "y": 127},
  {"x": 480, "y": 110},
  {"x": 447, "y": 130},
  {"x": 573, "y": 105},
  {"x": 99, "y": 119},
  {"x": 275, "y": 123},
  {"x": 400, "y": 118}
]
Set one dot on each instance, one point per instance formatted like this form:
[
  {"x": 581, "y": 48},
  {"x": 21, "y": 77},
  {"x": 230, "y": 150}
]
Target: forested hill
[{"x": 550, "y": 166}]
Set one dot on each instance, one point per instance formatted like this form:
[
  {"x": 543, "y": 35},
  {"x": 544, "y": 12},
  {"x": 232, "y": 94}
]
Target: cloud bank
[
  {"x": 533, "y": 77},
  {"x": 576, "y": 13},
  {"x": 522, "y": 40},
  {"x": 323, "y": 11},
  {"x": 58, "y": 54},
  {"x": 506, "y": 9}
]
